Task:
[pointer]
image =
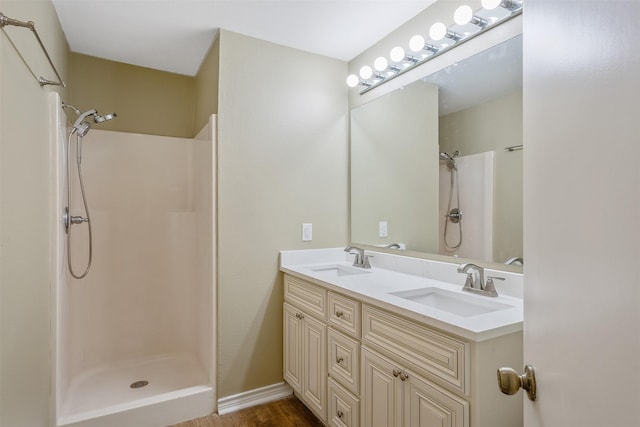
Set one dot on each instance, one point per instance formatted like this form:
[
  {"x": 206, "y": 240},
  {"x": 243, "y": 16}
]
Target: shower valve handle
[{"x": 78, "y": 219}]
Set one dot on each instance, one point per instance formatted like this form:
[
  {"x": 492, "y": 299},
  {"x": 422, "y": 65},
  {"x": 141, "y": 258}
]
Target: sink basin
[
  {"x": 452, "y": 302},
  {"x": 337, "y": 270}
]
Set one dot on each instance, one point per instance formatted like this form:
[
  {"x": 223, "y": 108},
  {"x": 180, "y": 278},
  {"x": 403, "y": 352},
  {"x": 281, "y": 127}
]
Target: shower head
[
  {"x": 449, "y": 158},
  {"x": 99, "y": 119},
  {"x": 82, "y": 126}
]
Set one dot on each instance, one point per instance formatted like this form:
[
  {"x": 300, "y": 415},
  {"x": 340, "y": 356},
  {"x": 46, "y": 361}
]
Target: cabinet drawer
[
  {"x": 305, "y": 295},
  {"x": 436, "y": 356},
  {"x": 344, "y": 359},
  {"x": 344, "y": 313},
  {"x": 344, "y": 408}
]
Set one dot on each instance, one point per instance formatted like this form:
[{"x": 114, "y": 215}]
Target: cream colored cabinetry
[
  {"x": 394, "y": 396},
  {"x": 354, "y": 364},
  {"x": 344, "y": 361},
  {"x": 430, "y": 378},
  {"x": 305, "y": 343}
]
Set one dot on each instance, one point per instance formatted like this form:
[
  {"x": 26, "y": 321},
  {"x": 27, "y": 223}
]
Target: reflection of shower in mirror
[
  {"x": 453, "y": 215},
  {"x": 466, "y": 186}
]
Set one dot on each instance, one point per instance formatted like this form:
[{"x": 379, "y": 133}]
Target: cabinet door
[
  {"x": 382, "y": 392},
  {"x": 428, "y": 405},
  {"x": 292, "y": 347},
  {"x": 314, "y": 377}
]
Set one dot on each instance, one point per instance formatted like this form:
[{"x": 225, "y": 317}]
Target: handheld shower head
[{"x": 81, "y": 126}]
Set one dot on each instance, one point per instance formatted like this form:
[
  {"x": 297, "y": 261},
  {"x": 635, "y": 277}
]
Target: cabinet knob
[
  {"x": 396, "y": 372},
  {"x": 340, "y": 414},
  {"x": 339, "y": 359},
  {"x": 403, "y": 376},
  {"x": 299, "y": 316},
  {"x": 339, "y": 314},
  {"x": 510, "y": 381}
]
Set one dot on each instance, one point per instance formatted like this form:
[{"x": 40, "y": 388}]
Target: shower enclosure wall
[
  {"x": 134, "y": 339},
  {"x": 475, "y": 174}
]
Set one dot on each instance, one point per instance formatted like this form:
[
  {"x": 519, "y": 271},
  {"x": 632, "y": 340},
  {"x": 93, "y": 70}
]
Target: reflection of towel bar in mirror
[
  {"x": 5, "y": 20},
  {"x": 514, "y": 148}
]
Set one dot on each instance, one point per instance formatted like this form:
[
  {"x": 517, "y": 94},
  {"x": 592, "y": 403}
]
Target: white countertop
[{"x": 373, "y": 287}]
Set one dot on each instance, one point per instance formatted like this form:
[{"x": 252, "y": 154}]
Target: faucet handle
[
  {"x": 365, "y": 261},
  {"x": 490, "y": 288}
]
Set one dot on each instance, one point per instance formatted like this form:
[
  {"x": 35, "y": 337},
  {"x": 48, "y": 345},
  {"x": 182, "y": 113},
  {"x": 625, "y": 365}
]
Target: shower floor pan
[{"x": 153, "y": 391}]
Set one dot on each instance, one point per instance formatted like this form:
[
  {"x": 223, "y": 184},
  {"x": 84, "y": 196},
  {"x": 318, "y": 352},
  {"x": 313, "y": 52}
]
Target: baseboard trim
[{"x": 254, "y": 397}]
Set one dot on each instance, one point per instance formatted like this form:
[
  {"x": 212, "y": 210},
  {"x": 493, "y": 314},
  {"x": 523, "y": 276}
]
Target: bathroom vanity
[{"x": 382, "y": 347}]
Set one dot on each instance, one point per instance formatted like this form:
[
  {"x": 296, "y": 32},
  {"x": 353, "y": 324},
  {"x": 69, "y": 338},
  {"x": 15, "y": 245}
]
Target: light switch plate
[
  {"x": 307, "y": 232},
  {"x": 382, "y": 229}
]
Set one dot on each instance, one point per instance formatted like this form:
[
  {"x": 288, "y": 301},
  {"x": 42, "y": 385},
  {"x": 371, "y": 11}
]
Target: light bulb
[
  {"x": 416, "y": 44},
  {"x": 438, "y": 31},
  {"x": 352, "y": 80},
  {"x": 381, "y": 63},
  {"x": 491, "y": 4},
  {"x": 397, "y": 54},
  {"x": 366, "y": 72},
  {"x": 463, "y": 15}
]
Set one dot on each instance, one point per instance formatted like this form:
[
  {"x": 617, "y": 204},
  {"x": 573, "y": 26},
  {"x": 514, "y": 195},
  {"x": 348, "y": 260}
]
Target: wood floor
[{"x": 289, "y": 412}]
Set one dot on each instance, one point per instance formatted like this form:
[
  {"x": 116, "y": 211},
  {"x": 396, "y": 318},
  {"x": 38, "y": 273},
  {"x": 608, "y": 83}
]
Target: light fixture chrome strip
[
  {"x": 5, "y": 20},
  {"x": 515, "y": 10}
]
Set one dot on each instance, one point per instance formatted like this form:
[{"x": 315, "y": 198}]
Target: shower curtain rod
[{"x": 5, "y": 20}]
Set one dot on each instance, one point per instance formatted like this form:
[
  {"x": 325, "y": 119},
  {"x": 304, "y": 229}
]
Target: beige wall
[
  {"x": 206, "y": 87},
  {"x": 282, "y": 161},
  {"x": 492, "y": 126},
  {"x": 25, "y": 168},
  {"x": 147, "y": 101}
]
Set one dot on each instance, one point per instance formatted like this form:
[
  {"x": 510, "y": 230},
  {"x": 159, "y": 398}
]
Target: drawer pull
[
  {"x": 339, "y": 314},
  {"x": 402, "y": 374},
  {"x": 340, "y": 414},
  {"x": 299, "y": 316},
  {"x": 339, "y": 359}
]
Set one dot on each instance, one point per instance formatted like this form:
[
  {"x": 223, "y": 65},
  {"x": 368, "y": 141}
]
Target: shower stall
[{"x": 133, "y": 339}]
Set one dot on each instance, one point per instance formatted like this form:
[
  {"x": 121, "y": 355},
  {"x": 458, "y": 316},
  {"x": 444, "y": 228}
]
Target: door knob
[{"x": 510, "y": 381}]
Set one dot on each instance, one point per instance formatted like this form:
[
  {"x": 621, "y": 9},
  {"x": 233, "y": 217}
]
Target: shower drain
[{"x": 139, "y": 384}]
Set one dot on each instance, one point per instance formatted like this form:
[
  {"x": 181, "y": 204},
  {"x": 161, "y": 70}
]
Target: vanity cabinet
[
  {"x": 305, "y": 343},
  {"x": 355, "y": 363},
  {"x": 393, "y": 396}
]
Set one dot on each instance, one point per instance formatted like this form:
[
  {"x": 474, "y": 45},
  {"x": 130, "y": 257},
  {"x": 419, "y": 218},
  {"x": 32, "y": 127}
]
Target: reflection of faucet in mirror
[
  {"x": 514, "y": 261},
  {"x": 361, "y": 260},
  {"x": 393, "y": 246},
  {"x": 453, "y": 215}
]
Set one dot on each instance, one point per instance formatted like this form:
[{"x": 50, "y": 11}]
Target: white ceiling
[{"x": 175, "y": 35}]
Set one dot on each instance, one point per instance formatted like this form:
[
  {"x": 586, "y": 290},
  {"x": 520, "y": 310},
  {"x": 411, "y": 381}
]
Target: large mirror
[{"x": 436, "y": 166}]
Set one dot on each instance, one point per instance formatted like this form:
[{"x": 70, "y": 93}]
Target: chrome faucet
[
  {"x": 475, "y": 283},
  {"x": 361, "y": 260}
]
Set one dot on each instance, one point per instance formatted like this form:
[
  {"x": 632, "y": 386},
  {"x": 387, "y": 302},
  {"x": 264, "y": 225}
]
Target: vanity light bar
[{"x": 442, "y": 38}]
